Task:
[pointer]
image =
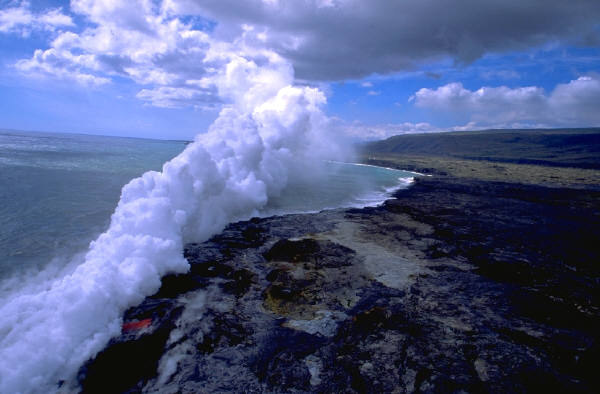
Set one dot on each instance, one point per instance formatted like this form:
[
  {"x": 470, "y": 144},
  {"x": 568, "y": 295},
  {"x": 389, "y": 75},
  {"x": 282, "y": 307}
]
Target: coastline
[
  {"x": 381, "y": 195},
  {"x": 368, "y": 300},
  {"x": 377, "y": 166}
]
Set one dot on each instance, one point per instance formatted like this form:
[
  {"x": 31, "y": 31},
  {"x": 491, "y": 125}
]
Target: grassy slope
[
  {"x": 565, "y": 157},
  {"x": 565, "y": 148}
]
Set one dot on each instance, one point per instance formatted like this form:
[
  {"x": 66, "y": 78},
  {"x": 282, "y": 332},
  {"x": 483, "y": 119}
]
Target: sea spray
[{"x": 268, "y": 130}]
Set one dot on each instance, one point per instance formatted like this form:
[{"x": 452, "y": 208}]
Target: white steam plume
[{"x": 267, "y": 131}]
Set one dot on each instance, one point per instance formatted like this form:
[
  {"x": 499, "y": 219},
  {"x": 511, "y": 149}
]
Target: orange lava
[{"x": 136, "y": 325}]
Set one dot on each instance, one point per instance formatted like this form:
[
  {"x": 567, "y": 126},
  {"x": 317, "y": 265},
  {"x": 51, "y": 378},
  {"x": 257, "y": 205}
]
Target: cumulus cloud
[
  {"x": 171, "y": 48},
  {"x": 341, "y": 39},
  {"x": 62, "y": 65},
  {"x": 173, "y": 56},
  {"x": 570, "y": 104},
  {"x": 19, "y": 19},
  {"x": 577, "y": 101},
  {"x": 138, "y": 40},
  {"x": 164, "y": 44}
]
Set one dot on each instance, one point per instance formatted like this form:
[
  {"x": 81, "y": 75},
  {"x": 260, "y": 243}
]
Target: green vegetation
[
  {"x": 562, "y": 157},
  {"x": 557, "y": 147}
]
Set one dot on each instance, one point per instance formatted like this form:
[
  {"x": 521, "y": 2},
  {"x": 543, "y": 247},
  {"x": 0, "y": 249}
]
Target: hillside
[{"x": 553, "y": 147}]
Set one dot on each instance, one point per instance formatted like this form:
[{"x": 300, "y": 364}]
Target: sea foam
[{"x": 266, "y": 131}]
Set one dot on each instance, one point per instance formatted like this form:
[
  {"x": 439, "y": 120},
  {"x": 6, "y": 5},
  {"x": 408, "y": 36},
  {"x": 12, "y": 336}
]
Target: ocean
[
  {"x": 57, "y": 191},
  {"x": 88, "y": 227}
]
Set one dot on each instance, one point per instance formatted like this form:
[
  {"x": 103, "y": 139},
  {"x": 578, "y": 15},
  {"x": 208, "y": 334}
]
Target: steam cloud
[{"x": 248, "y": 155}]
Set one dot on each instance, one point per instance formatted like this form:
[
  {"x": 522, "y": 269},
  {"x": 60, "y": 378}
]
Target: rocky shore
[{"x": 454, "y": 285}]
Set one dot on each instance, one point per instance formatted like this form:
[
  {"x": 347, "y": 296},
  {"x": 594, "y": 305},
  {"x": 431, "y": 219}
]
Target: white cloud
[
  {"x": 162, "y": 46},
  {"x": 373, "y": 93},
  {"x": 571, "y": 104},
  {"x": 55, "y": 18},
  {"x": 22, "y": 21},
  {"x": 486, "y": 101},
  {"x": 61, "y": 66},
  {"x": 146, "y": 41},
  {"x": 133, "y": 39},
  {"x": 577, "y": 101}
]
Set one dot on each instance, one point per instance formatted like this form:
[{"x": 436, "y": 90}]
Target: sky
[{"x": 147, "y": 68}]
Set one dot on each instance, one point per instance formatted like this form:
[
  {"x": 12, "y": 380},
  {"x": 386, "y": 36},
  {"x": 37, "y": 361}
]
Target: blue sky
[
  {"x": 389, "y": 98},
  {"x": 139, "y": 68}
]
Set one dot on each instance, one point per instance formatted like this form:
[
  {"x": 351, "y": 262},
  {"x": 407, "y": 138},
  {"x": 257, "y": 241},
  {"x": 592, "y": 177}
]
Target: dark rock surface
[{"x": 455, "y": 285}]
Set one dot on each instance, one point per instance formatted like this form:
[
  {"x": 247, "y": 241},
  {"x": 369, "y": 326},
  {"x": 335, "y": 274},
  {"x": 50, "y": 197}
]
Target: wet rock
[
  {"x": 251, "y": 236},
  {"x": 320, "y": 253},
  {"x": 240, "y": 282},
  {"x": 279, "y": 362},
  {"x": 226, "y": 331},
  {"x": 293, "y": 251},
  {"x": 454, "y": 286}
]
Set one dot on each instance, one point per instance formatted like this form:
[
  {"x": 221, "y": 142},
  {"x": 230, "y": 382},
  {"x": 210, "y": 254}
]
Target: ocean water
[
  {"x": 77, "y": 247},
  {"x": 340, "y": 185},
  {"x": 58, "y": 191}
]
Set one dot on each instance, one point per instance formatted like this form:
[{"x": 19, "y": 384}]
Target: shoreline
[
  {"x": 370, "y": 298},
  {"x": 377, "y": 166},
  {"x": 403, "y": 183}
]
